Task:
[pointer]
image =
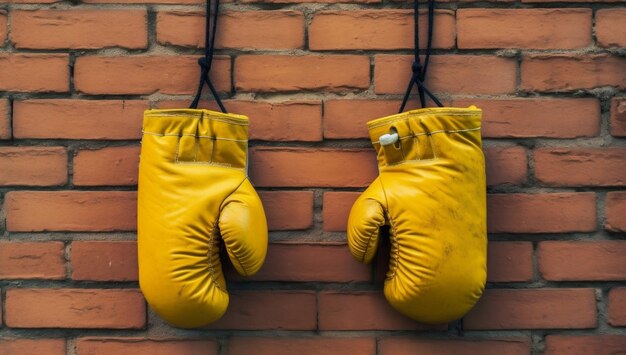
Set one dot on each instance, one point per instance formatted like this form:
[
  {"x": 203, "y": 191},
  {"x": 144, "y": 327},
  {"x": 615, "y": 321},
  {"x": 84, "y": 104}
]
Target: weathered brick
[
  {"x": 88, "y": 29},
  {"x": 377, "y": 29},
  {"x": 17, "y": 346},
  {"x": 585, "y": 344},
  {"x": 5, "y": 120},
  {"x": 525, "y": 118},
  {"x": 617, "y": 306},
  {"x": 30, "y": 72},
  {"x": 541, "y": 213},
  {"x": 78, "y": 119},
  {"x": 29, "y": 260},
  {"x": 33, "y": 166},
  {"x": 75, "y": 308},
  {"x": 408, "y": 346},
  {"x": 573, "y": 308},
  {"x": 453, "y": 74},
  {"x": 362, "y": 311},
  {"x": 104, "y": 260},
  {"x": 274, "y": 29},
  {"x": 509, "y": 261},
  {"x": 506, "y": 165},
  {"x": 618, "y": 117},
  {"x": 106, "y": 166},
  {"x": 615, "y": 211},
  {"x": 288, "y": 262},
  {"x": 301, "y": 346},
  {"x": 274, "y": 73},
  {"x": 288, "y": 210},
  {"x": 582, "y": 260},
  {"x": 140, "y": 345},
  {"x": 336, "y": 209},
  {"x": 565, "y": 72},
  {"x": 36, "y": 211},
  {"x": 524, "y": 28},
  {"x": 610, "y": 30},
  {"x": 249, "y": 310},
  {"x": 581, "y": 166},
  {"x": 143, "y": 74},
  {"x": 304, "y": 167}
]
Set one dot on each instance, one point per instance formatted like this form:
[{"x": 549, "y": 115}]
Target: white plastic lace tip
[{"x": 387, "y": 139}]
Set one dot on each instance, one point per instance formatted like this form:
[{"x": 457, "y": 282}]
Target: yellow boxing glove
[
  {"x": 193, "y": 195},
  {"x": 431, "y": 194}
]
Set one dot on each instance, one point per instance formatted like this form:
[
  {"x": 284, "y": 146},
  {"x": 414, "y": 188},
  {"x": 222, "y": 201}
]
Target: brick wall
[{"x": 75, "y": 77}]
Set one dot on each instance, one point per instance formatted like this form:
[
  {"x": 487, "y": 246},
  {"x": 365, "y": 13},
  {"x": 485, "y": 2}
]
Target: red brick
[
  {"x": 564, "y": 72},
  {"x": 281, "y": 121},
  {"x": 36, "y": 211},
  {"x": 409, "y": 346},
  {"x": 5, "y": 120},
  {"x": 454, "y": 74},
  {"x": 524, "y": 28},
  {"x": 311, "y": 263},
  {"x": 174, "y": 2},
  {"x": 33, "y": 166},
  {"x": 146, "y": 74},
  {"x": 618, "y": 117},
  {"x": 541, "y": 213},
  {"x": 272, "y": 73},
  {"x": 297, "y": 120},
  {"x": 581, "y": 166},
  {"x": 573, "y": 308},
  {"x": 582, "y": 260},
  {"x": 336, "y": 209},
  {"x": 506, "y": 165},
  {"x": 310, "y": 1},
  {"x": 26, "y": 260},
  {"x": 617, "y": 307},
  {"x": 104, "y": 260},
  {"x": 3, "y": 27},
  {"x": 362, "y": 311},
  {"x": 16, "y": 346},
  {"x": 301, "y": 346},
  {"x": 288, "y": 210},
  {"x": 145, "y": 346},
  {"x": 610, "y": 30},
  {"x": 348, "y": 118},
  {"x": 78, "y": 119},
  {"x": 34, "y": 72},
  {"x": 89, "y": 29},
  {"x": 75, "y": 308},
  {"x": 585, "y": 344},
  {"x": 524, "y": 118},
  {"x": 107, "y": 166},
  {"x": 238, "y": 29},
  {"x": 307, "y": 167},
  {"x": 509, "y": 261},
  {"x": 377, "y": 29},
  {"x": 248, "y": 310},
  {"x": 615, "y": 211}
]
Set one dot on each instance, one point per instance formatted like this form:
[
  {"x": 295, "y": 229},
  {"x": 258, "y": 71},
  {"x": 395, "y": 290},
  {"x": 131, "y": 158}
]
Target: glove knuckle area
[{"x": 243, "y": 227}]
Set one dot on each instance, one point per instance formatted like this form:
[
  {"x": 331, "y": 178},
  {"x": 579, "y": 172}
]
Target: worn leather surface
[
  {"x": 431, "y": 194},
  {"x": 194, "y": 198}
]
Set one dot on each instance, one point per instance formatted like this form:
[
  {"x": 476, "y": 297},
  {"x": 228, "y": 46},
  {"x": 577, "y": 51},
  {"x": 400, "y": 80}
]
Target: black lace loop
[
  {"x": 419, "y": 71},
  {"x": 206, "y": 61}
]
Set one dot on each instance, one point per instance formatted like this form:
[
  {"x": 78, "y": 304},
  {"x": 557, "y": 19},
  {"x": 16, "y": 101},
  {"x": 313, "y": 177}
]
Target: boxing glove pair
[{"x": 194, "y": 194}]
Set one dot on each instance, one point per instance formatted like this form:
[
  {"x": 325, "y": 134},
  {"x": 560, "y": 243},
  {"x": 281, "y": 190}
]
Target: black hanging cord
[
  {"x": 419, "y": 71},
  {"x": 206, "y": 61}
]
